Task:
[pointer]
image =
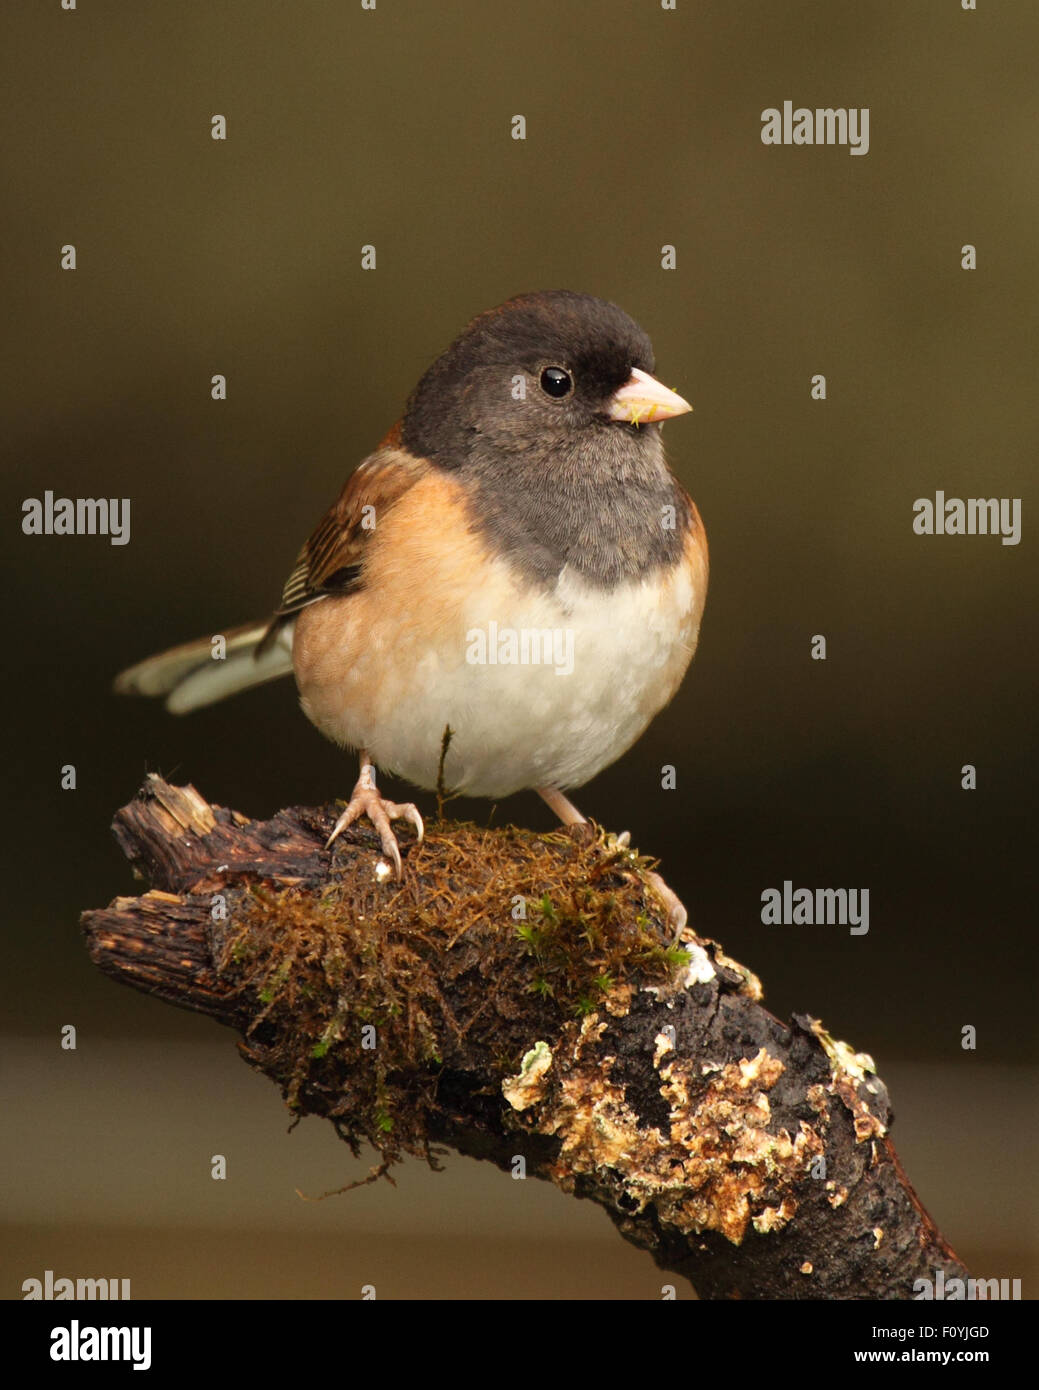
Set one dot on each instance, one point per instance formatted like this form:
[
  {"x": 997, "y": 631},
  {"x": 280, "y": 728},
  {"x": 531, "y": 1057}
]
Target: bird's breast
[{"x": 541, "y": 684}]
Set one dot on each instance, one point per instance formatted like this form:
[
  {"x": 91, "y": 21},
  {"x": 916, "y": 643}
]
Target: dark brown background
[{"x": 243, "y": 257}]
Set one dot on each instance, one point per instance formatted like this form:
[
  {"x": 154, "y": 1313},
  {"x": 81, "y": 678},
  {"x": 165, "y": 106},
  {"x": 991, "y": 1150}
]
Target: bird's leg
[
  {"x": 677, "y": 917},
  {"x": 366, "y": 801},
  {"x": 563, "y": 806}
]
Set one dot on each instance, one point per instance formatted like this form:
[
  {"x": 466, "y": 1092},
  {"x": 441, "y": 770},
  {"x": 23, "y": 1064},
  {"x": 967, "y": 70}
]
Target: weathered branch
[{"x": 515, "y": 997}]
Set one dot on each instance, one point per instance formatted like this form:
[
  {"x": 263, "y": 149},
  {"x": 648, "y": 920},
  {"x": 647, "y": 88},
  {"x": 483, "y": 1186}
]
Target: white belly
[{"x": 524, "y": 711}]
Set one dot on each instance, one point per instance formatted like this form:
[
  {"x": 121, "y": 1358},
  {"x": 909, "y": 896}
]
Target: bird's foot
[
  {"x": 366, "y": 801},
  {"x": 677, "y": 917},
  {"x": 582, "y": 832}
]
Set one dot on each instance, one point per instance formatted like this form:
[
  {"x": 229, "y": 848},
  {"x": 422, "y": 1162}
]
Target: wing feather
[{"x": 331, "y": 560}]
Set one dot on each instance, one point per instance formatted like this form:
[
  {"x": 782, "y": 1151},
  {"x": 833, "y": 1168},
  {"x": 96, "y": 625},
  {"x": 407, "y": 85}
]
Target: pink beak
[{"x": 643, "y": 400}]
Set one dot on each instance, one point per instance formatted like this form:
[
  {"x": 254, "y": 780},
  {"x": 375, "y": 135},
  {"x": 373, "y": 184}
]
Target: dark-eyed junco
[{"x": 515, "y": 561}]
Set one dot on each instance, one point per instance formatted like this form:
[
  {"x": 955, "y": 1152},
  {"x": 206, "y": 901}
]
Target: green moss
[{"x": 364, "y": 997}]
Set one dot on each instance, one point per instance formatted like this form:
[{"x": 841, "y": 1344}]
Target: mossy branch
[{"x": 516, "y": 997}]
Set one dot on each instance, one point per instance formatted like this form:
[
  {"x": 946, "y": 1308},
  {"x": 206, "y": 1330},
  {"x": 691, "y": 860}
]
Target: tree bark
[{"x": 516, "y": 998}]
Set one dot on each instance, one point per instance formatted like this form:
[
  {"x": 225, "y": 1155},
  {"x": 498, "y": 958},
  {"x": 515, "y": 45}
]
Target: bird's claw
[
  {"x": 677, "y": 916},
  {"x": 366, "y": 801}
]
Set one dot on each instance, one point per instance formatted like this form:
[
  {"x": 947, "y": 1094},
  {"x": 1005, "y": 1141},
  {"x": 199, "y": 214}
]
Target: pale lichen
[
  {"x": 848, "y": 1071},
  {"x": 527, "y": 1086},
  {"x": 836, "y": 1195},
  {"x": 716, "y": 1166}
]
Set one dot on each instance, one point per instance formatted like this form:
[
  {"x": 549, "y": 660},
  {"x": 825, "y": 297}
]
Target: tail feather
[{"x": 190, "y": 677}]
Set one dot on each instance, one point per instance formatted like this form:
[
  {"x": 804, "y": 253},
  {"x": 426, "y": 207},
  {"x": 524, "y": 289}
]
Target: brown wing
[{"x": 330, "y": 561}]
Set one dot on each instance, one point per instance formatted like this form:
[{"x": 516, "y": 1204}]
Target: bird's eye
[{"x": 555, "y": 382}]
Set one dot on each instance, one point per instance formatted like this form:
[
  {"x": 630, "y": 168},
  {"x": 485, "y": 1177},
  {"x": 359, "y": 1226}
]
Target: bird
[{"x": 514, "y": 573}]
